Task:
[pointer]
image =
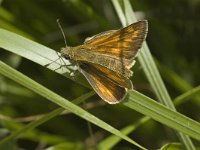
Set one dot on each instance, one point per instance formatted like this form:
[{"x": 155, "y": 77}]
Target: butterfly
[{"x": 106, "y": 59}]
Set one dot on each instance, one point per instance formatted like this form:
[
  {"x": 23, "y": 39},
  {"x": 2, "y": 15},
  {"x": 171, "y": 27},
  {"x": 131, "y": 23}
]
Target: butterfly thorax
[
  {"x": 73, "y": 53},
  {"x": 66, "y": 53}
]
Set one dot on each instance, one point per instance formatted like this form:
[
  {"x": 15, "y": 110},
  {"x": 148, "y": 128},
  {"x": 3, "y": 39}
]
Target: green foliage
[{"x": 36, "y": 123}]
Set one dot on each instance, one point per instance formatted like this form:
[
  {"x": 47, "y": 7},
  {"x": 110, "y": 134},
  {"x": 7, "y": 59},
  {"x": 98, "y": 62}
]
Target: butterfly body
[{"x": 106, "y": 58}]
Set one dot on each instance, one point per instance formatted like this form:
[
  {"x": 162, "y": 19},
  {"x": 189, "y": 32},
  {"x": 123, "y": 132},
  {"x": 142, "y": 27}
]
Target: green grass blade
[
  {"x": 172, "y": 146},
  {"x": 187, "y": 95},
  {"x": 148, "y": 64},
  {"x": 112, "y": 140},
  {"x": 119, "y": 12},
  {"x": 180, "y": 84},
  {"x": 158, "y": 112},
  {"x": 41, "y": 90},
  {"x": 31, "y": 126},
  {"x": 174, "y": 79},
  {"x": 152, "y": 73},
  {"x": 37, "y": 53},
  {"x": 43, "y": 119},
  {"x": 163, "y": 114}
]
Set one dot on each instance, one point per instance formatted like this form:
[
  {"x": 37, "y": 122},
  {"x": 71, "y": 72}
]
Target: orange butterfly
[{"x": 106, "y": 58}]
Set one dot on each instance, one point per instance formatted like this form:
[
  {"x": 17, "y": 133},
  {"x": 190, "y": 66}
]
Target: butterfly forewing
[
  {"x": 123, "y": 43},
  {"x": 114, "y": 49}
]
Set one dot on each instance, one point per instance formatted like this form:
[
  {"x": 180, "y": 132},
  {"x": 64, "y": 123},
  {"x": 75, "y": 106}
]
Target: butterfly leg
[{"x": 74, "y": 73}]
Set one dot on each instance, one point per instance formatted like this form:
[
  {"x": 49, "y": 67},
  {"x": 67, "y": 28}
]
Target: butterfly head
[{"x": 66, "y": 52}]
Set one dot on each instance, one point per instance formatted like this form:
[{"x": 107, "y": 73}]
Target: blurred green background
[{"x": 173, "y": 38}]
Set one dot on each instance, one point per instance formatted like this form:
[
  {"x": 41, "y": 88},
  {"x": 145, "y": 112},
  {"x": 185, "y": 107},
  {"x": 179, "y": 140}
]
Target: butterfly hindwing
[{"x": 110, "y": 87}]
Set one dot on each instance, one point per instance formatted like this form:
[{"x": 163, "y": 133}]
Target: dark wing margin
[{"x": 103, "y": 82}]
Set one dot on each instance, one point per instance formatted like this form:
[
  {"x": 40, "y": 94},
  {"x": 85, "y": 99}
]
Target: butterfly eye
[{"x": 67, "y": 57}]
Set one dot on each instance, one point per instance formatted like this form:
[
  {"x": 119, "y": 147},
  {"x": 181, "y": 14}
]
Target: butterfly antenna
[
  {"x": 59, "y": 25},
  {"x": 63, "y": 34}
]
